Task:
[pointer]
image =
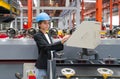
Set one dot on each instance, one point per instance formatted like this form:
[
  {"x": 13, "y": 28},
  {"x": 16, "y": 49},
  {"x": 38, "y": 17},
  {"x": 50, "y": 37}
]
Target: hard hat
[{"x": 42, "y": 16}]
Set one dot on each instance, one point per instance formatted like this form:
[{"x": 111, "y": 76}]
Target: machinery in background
[
  {"x": 53, "y": 32},
  {"x": 107, "y": 33},
  {"x": 16, "y": 34},
  {"x": 9, "y": 9},
  {"x": 11, "y": 33},
  {"x": 31, "y": 32},
  {"x": 58, "y": 33},
  {"x": 84, "y": 67}
]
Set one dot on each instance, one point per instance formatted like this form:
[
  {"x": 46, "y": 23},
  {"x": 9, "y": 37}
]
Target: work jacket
[{"x": 44, "y": 49}]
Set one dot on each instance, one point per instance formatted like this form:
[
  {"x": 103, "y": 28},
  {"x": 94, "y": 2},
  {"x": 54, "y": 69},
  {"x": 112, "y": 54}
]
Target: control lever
[
  {"x": 91, "y": 62},
  {"x": 71, "y": 62},
  {"x": 18, "y": 75}
]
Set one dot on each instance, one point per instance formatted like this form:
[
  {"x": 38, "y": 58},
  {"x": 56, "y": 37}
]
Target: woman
[{"x": 45, "y": 45}]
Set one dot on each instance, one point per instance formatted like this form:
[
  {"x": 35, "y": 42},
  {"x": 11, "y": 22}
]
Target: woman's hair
[{"x": 40, "y": 23}]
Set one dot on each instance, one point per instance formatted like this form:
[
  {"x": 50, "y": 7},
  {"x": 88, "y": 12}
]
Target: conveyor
[{"x": 82, "y": 70}]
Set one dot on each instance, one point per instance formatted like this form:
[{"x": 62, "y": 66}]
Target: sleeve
[{"x": 43, "y": 45}]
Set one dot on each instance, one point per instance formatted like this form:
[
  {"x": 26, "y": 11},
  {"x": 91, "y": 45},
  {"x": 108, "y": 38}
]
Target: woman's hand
[{"x": 65, "y": 38}]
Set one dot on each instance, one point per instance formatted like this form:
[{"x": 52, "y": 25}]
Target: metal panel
[
  {"x": 26, "y": 49},
  {"x": 7, "y": 71},
  {"x": 23, "y": 49}
]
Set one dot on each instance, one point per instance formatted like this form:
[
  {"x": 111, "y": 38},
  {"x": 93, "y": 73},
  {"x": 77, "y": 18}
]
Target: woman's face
[{"x": 44, "y": 25}]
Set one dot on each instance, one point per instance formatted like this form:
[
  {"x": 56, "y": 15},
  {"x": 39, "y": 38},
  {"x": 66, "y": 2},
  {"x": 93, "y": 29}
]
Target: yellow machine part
[
  {"x": 4, "y": 4},
  {"x": 103, "y": 32},
  {"x": 8, "y": 7},
  {"x": 60, "y": 32},
  {"x": 119, "y": 33}
]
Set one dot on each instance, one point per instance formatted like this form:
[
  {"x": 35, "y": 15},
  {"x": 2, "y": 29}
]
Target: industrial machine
[
  {"x": 9, "y": 9},
  {"x": 114, "y": 33},
  {"x": 84, "y": 65},
  {"x": 11, "y": 32},
  {"x": 84, "y": 68}
]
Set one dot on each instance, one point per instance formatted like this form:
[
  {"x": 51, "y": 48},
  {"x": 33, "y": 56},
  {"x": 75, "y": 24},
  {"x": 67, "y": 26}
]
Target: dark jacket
[{"x": 44, "y": 49}]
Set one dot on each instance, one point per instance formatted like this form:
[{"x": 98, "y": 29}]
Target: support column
[
  {"x": 105, "y": 15},
  {"x": 30, "y": 13},
  {"x": 73, "y": 20},
  {"x": 111, "y": 7},
  {"x": 70, "y": 20},
  {"x": 67, "y": 3},
  {"x": 38, "y": 5},
  {"x": 66, "y": 22},
  {"x": 82, "y": 11},
  {"x": 78, "y": 13},
  {"x": 16, "y": 27},
  {"x": 119, "y": 10},
  {"x": 99, "y": 11},
  {"x": 21, "y": 19},
  {"x": 1, "y": 27}
]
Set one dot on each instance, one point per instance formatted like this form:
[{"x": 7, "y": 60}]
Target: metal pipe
[
  {"x": 53, "y": 8},
  {"x": 111, "y": 7},
  {"x": 119, "y": 10},
  {"x": 70, "y": 20},
  {"x": 78, "y": 13},
  {"x": 96, "y": 10},
  {"x": 16, "y": 23},
  {"x": 99, "y": 11},
  {"x": 21, "y": 19},
  {"x": 29, "y": 14},
  {"x": 38, "y": 5},
  {"x": 82, "y": 11}
]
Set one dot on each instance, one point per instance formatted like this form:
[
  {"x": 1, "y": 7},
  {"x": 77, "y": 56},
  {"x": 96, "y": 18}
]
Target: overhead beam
[
  {"x": 53, "y": 8},
  {"x": 104, "y": 7},
  {"x": 35, "y": 17}
]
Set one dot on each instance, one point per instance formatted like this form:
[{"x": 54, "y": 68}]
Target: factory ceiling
[{"x": 89, "y": 4}]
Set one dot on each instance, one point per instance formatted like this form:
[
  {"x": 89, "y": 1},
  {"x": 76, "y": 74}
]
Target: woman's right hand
[{"x": 65, "y": 38}]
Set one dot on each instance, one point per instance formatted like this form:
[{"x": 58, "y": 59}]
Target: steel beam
[
  {"x": 78, "y": 13},
  {"x": 38, "y": 5},
  {"x": 119, "y": 10},
  {"x": 53, "y": 8},
  {"x": 56, "y": 17},
  {"x": 29, "y": 14},
  {"x": 82, "y": 11},
  {"x": 21, "y": 19},
  {"x": 111, "y": 12},
  {"x": 16, "y": 23},
  {"x": 34, "y": 17}
]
